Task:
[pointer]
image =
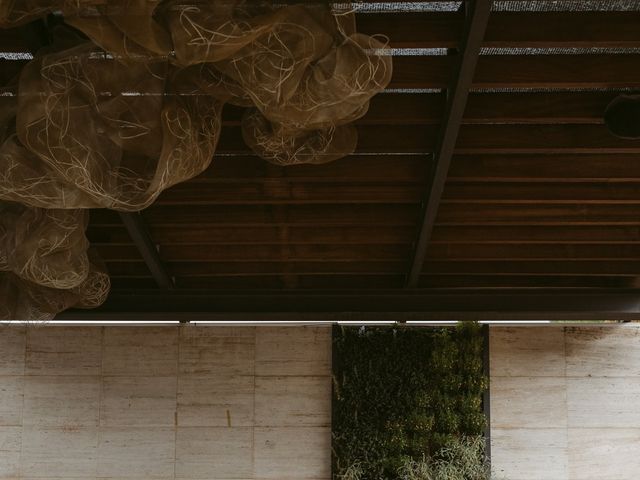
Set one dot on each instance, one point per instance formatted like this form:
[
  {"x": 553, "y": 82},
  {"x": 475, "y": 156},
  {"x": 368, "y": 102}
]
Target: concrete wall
[
  {"x": 565, "y": 403},
  {"x": 165, "y": 403}
]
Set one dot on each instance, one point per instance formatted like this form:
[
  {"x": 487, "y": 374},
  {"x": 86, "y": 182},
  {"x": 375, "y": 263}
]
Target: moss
[{"x": 404, "y": 394}]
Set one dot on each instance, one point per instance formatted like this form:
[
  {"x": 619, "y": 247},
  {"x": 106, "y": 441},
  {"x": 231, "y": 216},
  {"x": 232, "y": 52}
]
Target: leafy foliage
[
  {"x": 404, "y": 394},
  {"x": 462, "y": 459}
]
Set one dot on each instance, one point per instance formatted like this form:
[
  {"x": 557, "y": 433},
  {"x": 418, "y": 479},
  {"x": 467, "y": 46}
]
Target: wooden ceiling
[{"x": 538, "y": 194}]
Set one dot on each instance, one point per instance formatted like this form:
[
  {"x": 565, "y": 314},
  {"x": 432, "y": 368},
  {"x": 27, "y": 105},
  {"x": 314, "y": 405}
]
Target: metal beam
[
  {"x": 391, "y": 305},
  {"x": 478, "y": 12},
  {"x": 140, "y": 236}
]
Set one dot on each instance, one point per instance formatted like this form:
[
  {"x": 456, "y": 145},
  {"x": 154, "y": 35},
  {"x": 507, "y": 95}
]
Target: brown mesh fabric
[
  {"x": 46, "y": 247},
  {"x": 23, "y": 300},
  {"x": 303, "y": 68},
  {"x": 98, "y": 133},
  {"x": 113, "y": 121}
]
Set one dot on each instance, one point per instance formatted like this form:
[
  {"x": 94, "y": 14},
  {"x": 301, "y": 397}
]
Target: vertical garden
[{"x": 407, "y": 403}]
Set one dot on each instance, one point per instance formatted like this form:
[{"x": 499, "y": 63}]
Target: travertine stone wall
[
  {"x": 565, "y": 402},
  {"x": 214, "y": 403}
]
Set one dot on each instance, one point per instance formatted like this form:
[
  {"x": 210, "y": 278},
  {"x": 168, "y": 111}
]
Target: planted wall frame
[{"x": 408, "y": 403}]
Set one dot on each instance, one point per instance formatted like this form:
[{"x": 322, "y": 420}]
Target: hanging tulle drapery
[{"x": 131, "y": 104}]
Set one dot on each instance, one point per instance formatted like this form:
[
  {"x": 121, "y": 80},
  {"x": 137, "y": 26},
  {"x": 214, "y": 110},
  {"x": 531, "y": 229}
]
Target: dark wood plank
[
  {"x": 286, "y": 192},
  {"x": 211, "y": 234},
  {"x": 525, "y": 192},
  {"x": 522, "y": 107},
  {"x": 487, "y": 139},
  {"x": 278, "y": 282},
  {"x": 544, "y": 168},
  {"x": 519, "y": 281},
  {"x": 341, "y": 304},
  {"x": 556, "y": 214},
  {"x": 354, "y": 168},
  {"x": 231, "y": 268},
  {"x": 538, "y": 252},
  {"x": 563, "y": 29},
  {"x": 533, "y": 234},
  {"x": 523, "y": 71},
  {"x": 374, "y": 253},
  {"x": 388, "y": 139},
  {"x": 509, "y": 29},
  {"x": 609, "y": 267},
  {"x": 544, "y": 139},
  {"x": 545, "y": 71},
  {"x": 245, "y": 216},
  {"x": 263, "y": 253},
  {"x": 537, "y": 108}
]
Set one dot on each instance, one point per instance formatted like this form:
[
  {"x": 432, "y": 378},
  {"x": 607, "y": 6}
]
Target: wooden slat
[
  {"x": 509, "y": 29},
  {"x": 374, "y": 253},
  {"x": 491, "y": 108},
  {"x": 286, "y": 192},
  {"x": 544, "y": 71},
  {"x": 354, "y": 168},
  {"x": 538, "y": 252},
  {"x": 528, "y": 107},
  {"x": 523, "y": 71},
  {"x": 563, "y": 29},
  {"x": 502, "y": 139},
  {"x": 609, "y": 267},
  {"x": 413, "y": 168},
  {"x": 547, "y": 139},
  {"x": 520, "y": 281},
  {"x": 231, "y": 268},
  {"x": 275, "y": 282},
  {"x": 538, "y": 108},
  {"x": 195, "y": 234},
  {"x": 560, "y": 214},
  {"x": 536, "y": 192},
  {"x": 263, "y": 253},
  {"x": 383, "y": 304},
  {"x": 244, "y": 216},
  {"x": 398, "y": 139},
  {"x": 555, "y": 234},
  {"x": 544, "y": 168}
]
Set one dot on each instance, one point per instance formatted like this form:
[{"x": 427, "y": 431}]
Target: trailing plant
[
  {"x": 403, "y": 395},
  {"x": 461, "y": 459}
]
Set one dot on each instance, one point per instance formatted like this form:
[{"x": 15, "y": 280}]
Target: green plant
[
  {"x": 352, "y": 472},
  {"x": 462, "y": 459},
  {"x": 403, "y": 394}
]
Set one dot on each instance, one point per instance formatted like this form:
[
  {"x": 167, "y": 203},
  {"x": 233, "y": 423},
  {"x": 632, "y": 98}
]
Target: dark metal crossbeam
[
  {"x": 478, "y": 12},
  {"x": 391, "y": 305},
  {"x": 140, "y": 236}
]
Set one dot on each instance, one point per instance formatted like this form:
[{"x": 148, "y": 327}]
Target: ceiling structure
[{"x": 485, "y": 185}]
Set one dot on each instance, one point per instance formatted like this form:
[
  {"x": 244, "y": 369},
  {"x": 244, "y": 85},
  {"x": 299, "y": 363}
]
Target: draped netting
[
  {"x": 24, "y": 300},
  {"x": 131, "y": 104},
  {"x": 100, "y": 133}
]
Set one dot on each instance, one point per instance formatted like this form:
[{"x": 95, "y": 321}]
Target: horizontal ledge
[{"x": 370, "y": 305}]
